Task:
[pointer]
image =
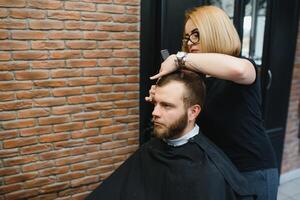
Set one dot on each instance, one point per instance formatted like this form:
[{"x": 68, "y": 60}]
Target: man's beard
[{"x": 175, "y": 129}]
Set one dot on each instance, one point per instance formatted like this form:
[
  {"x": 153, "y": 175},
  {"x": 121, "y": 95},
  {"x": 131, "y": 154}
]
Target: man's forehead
[{"x": 171, "y": 90}]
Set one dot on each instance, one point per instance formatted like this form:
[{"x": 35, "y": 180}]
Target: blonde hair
[{"x": 216, "y": 31}]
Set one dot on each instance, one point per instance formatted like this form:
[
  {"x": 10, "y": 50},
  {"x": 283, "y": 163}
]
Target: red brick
[
  {"x": 99, "y": 155},
  {"x": 8, "y": 171},
  {"x": 46, "y": 24},
  {"x": 134, "y": 62},
  {"x": 4, "y": 34},
  {"x": 7, "y": 96},
  {"x": 15, "y": 105},
  {"x": 18, "y": 124},
  {"x": 125, "y": 53},
  {"x": 25, "y": 194},
  {"x": 13, "y": 45},
  {"x": 127, "y": 2},
  {"x": 112, "y": 63},
  {"x": 19, "y": 142},
  {"x": 20, "y": 160},
  {"x": 64, "y": 15},
  {"x": 42, "y": 4},
  {"x": 126, "y": 87},
  {"x": 69, "y": 160},
  {"x": 133, "y": 45},
  {"x": 111, "y": 8},
  {"x": 133, "y": 10},
  {"x": 78, "y": 25},
  {"x": 4, "y": 189},
  {"x": 8, "y": 86},
  {"x": 38, "y": 182},
  {"x": 68, "y": 127},
  {"x": 114, "y": 113},
  {"x": 7, "y": 116},
  {"x": 133, "y": 126},
  {"x": 65, "y": 110},
  {"x": 49, "y": 102},
  {"x": 113, "y": 129},
  {"x": 50, "y": 83},
  {"x": 36, "y": 149},
  {"x": 82, "y": 99},
  {"x": 12, "y": 3},
  {"x": 113, "y": 27},
  {"x": 32, "y": 94},
  {"x": 126, "y": 70},
  {"x": 82, "y": 81},
  {"x": 97, "y": 89},
  {"x": 84, "y": 149},
  {"x": 81, "y": 63},
  {"x": 55, "y": 154},
  {"x": 28, "y": 13},
  {"x": 112, "y": 160},
  {"x": 96, "y": 36},
  {"x": 5, "y": 57},
  {"x": 31, "y": 75},
  {"x": 132, "y": 79},
  {"x": 111, "y": 44},
  {"x": 12, "y": 66},
  {"x": 37, "y": 112},
  {"x": 53, "y": 120},
  {"x": 111, "y": 96},
  {"x": 125, "y": 19},
  {"x": 128, "y": 119},
  {"x": 124, "y": 36},
  {"x": 37, "y": 166},
  {"x": 100, "y": 170},
  {"x": 30, "y": 55},
  {"x": 29, "y": 35},
  {"x": 114, "y": 144},
  {"x": 54, "y": 171},
  {"x": 99, "y": 123},
  {"x": 8, "y": 134},
  {"x": 84, "y": 181},
  {"x": 112, "y": 79},
  {"x": 49, "y": 64},
  {"x": 67, "y": 91},
  {"x": 36, "y": 131},
  {"x": 97, "y": 71},
  {"x": 54, "y": 137},
  {"x": 47, "y": 45},
  {"x": 69, "y": 143},
  {"x": 70, "y": 176},
  {"x": 98, "y": 106},
  {"x": 84, "y": 133},
  {"x": 81, "y": 195},
  {"x": 6, "y": 76},
  {"x": 12, "y": 24},
  {"x": 95, "y": 17},
  {"x": 69, "y": 35},
  {"x": 126, "y": 135},
  {"x": 45, "y": 197},
  {"x": 65, "y": 73},
  {"x": 80, "y": 6},
  {"x": 97, "y": 54},
  {"x": 81, "y": 44},
  {"x": 20, "y": 178},
  {"x": 54, "y": 187},
  {"x": 84, "y": 165},
  {"x": 126, "y": 104},
  {"x": 99, "y": 139},
  {"x": 3, "y": 12},
  {"x": 98, "y": 1},
  {"x": 85, "y": 116},
  {"x": 7, "y": 153}
]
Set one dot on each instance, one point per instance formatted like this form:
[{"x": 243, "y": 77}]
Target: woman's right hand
[
  {"x": 151, "y": 94},
  {"x": 167, "y": 67}
]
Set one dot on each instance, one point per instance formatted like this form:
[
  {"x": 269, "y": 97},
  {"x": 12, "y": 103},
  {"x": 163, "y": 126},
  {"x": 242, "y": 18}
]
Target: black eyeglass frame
[{"x": 187, "y": 37}]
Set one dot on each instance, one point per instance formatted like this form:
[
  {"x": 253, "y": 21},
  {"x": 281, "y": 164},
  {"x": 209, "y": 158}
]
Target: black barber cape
[{"x": 197, "y": 170}]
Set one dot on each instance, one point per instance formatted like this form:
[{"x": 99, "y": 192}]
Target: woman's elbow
[{"x": 245, "y": 73}]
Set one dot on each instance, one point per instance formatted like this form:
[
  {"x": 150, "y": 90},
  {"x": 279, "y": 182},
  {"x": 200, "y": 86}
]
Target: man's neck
[{"x": 184, "y": 138}]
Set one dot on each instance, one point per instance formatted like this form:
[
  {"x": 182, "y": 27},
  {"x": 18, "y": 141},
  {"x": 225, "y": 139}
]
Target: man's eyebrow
[{"x": 167, "y": 104}]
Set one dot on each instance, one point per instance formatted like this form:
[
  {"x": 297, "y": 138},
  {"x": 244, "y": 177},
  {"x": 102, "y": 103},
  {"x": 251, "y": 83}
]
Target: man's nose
[{"x": 156, "y": 111}]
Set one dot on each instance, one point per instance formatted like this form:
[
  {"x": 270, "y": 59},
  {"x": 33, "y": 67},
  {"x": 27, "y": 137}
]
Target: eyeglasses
[{"x": 193, "y": 37}]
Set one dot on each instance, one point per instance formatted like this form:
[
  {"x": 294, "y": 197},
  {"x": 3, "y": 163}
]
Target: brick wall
[
  {"x": 291, "y": 153},
  {"x": 69, "y": 90}
]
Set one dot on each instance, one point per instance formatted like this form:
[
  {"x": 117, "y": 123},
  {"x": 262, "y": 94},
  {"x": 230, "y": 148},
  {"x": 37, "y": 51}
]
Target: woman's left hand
[{"x": 166, "y": 67}]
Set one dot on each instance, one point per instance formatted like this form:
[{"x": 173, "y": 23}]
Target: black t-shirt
[{"x": 232, "y": 119}]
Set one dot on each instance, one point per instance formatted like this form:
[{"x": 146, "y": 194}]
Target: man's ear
[{"x": 193, "y": 112}]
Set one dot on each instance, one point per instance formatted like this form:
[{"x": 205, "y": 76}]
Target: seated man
[{"x": 180, "y": 162}]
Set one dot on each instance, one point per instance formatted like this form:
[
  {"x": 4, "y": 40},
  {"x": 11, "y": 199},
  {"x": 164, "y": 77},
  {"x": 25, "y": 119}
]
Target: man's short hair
[{"x": 193, "y": 82}]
